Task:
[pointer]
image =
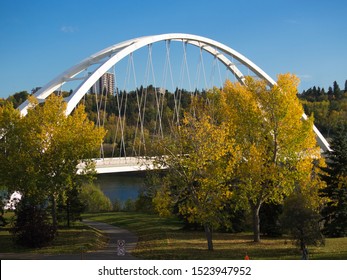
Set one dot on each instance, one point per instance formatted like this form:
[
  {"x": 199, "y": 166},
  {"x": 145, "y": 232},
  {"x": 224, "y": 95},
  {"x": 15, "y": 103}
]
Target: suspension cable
[{"x": 140, "y": 117}]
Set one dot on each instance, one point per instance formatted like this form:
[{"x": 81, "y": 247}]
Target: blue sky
[{"x": 41, "y": 38}]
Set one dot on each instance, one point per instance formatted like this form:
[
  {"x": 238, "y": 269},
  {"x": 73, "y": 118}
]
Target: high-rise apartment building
[{"x": 105, "y": 85}]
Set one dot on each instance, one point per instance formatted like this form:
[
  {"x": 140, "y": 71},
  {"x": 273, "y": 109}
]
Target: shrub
[
  {"x": 117, "y": 205},
  {"x": 94, "y": 199},
  {"x": 32, "y": 227},
  {"x": 144, "y": 204},
  {"x": 129, "y": 205},
  {"x": 302, "y": 221}
]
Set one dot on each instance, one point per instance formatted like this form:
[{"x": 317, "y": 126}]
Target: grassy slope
[
  {"x": 161, "y": 238},
  {"x": 77, "y": 239}
]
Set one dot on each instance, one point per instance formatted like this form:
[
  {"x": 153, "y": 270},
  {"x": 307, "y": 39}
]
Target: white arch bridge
[{"x": 209, "y": 58}]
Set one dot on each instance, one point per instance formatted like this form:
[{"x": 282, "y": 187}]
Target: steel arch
[{"x": 113, "y": 54}]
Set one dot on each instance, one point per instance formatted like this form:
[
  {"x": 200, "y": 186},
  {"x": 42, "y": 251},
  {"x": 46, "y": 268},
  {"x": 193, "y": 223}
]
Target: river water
[{"x": 121, "y": 186}]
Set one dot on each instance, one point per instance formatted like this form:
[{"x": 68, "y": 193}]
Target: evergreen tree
[
  {"x": 71, "y": 206},
  {"x": 301, "y": 221},
  {"x": 337, "y": 90},
  {"x": 330, "y": 93},
  {"x": 335, "y": 212},
  {"x": 32, "y": 226}
]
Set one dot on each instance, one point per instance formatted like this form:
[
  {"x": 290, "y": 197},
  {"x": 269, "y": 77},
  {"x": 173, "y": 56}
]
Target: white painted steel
[
  {"x": 117, "y": 52},
  {"x": 113, "y": 54},
  {"x": 121, "y": 164}
]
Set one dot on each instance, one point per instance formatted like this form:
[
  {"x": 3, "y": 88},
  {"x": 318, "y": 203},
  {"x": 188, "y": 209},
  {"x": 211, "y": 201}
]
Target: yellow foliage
[
  {"x": 250, "y": 134},
  {"x": 48, "y": 145},
  {"x": 277, "y": 146}
]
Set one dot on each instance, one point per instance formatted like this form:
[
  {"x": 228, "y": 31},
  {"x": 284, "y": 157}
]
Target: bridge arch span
[{"x": 110, "y": 56}]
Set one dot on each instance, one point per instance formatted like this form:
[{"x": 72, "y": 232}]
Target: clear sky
[{"x": 39, "y": 39}]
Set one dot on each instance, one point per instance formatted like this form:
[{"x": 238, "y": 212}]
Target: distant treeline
[{"x": 329, "y": 108}]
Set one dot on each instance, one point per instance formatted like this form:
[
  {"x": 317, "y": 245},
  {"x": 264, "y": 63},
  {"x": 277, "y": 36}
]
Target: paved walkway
[{"x": 121, "y": 243}]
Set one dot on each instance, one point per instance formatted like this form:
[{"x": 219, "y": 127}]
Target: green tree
[
  {"x": 94, "y": 199},
  {"x": 301, "y": 221},
  {"x": 3, "y": 199},
  {"x": 18, "y": 98},
  {"x": 335, "y": 211},
  {"x": 337, "y": 91},
  {"x": 32, "y": 226},
  {"x": 71, "y": 206},
  {"x": 276, "y": 144}
]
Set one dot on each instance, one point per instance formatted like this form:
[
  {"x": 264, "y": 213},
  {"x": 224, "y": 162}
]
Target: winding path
[
  {"x": 115, "y": 234},
  {"x": 110, "y": 252}
]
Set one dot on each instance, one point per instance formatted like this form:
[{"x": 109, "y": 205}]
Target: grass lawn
[
  {"x": 76, "y": 239},
  {"x": 161, "y": 238}
]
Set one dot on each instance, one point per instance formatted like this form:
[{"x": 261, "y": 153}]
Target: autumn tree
[
  {"x": 199, "y": 161},
  {"x": 64, "y": 142},
  {"x": 40, "y": 152},
  {"x": 277, "y": 145}
]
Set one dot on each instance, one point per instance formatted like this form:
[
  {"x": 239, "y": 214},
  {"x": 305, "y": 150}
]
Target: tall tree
[
  {"x": 277, "y": 145},
  {"x": 200, "y": 159},
  {"x": 40, "y": 152},
  {"x": 335, "y": 212},
  {"x": 337, "y": 91}
]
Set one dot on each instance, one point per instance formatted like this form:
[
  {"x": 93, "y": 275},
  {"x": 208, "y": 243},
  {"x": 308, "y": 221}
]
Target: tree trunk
[
  {"x": 256, "y": 223},
  {"x": 208, "y": 232},
  {"x": 68, "y": 207},
  {"x": 54, "y": 212}
]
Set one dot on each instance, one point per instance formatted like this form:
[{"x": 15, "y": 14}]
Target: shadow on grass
[
  {"x": 161, "y": 238},
  {"x": 68, "y": 241}
]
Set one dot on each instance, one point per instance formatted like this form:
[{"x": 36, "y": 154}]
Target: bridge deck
[{"x": 119, "y": 165}]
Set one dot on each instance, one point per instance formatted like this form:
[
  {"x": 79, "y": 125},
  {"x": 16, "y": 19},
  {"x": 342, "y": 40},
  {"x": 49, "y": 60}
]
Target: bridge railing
[{"x": 120, "y": 164}]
